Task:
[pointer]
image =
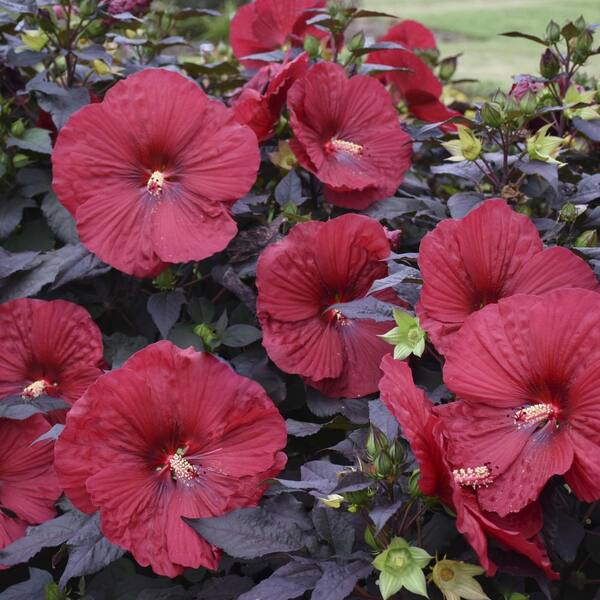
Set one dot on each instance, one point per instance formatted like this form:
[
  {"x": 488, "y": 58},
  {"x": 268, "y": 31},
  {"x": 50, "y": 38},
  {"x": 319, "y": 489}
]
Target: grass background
[{"x": 472, "y": 27}]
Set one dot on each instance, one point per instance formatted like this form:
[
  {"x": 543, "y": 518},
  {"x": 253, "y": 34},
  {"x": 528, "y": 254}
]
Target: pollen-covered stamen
[
  {"x": 155, "y": 184},
  {"x": 36, "y": 389},
  {"x": 337, "y": 145},
  {"x": 534, "y": 414},
  {"x": 473, "y": 476},
  {"x": 181, "y": 469}
]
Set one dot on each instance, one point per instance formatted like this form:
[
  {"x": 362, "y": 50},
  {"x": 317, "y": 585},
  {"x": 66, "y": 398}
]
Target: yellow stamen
[
  {"x": 338, "y": 145},
  {"x": 473, "y": 476}
]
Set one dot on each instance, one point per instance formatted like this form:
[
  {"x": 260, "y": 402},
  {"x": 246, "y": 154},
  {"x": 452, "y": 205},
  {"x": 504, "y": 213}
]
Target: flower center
[
  {"x": 473, "y": 476},
  {"x": 446, "y": 574},
  {"x": 155, "y": 184},
  {"x": 37, "y": 389},
  {"x": 535, "y": 414},
  {"x": 336, "y": 145},
  {"x": 181, "y": 469}
]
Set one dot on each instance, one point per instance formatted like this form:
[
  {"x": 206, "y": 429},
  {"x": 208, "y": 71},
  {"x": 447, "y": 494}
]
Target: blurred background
[{"x": 471, "y": 27}]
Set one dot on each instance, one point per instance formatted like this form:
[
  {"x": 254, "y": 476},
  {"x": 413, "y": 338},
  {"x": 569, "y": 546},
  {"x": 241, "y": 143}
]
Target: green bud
[
  {"x": 34, "y": 39},
  {"x": 524, "y": 209},
  {"x": 383, "y": 465},
  {"x": 357, "y": 41},
  {"x": 206, "y": 334},
  {"x": 569, "y": 212},
  {"x": 396, "y": 453},
  {"x": 511, "y": 107},
  {"x": 580, "y": 24},
  {"x": 549, "y": 64},
  {"x": 17, "y": 129},
  {"x": 353, "y": 508},
  {"x": 20, "y": 160},
  {"x": 518, "y": 596},
  {"x": 414, "y": 489},
  {"x": 166, "y": 280},
  {"x": 491, "y": 114},
  {"x": 528, "y": 102},
  {"x": 87, "y": 8},
  {"x": 448, "y": 68},
  {"x": 553, "y": 32},
  {"x": 584, "y": 42},
  {"x": 53, "y": 592},
  {"x": 312, "y": 46},
  {"x": 588, "y": 239},
  {"x": 401, "y": 566},
  {"x": 95, "y": 28}
]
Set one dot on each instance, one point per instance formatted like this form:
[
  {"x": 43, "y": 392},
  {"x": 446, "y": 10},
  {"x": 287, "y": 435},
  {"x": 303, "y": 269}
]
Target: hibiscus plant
[{"x": 286, "y": 312}]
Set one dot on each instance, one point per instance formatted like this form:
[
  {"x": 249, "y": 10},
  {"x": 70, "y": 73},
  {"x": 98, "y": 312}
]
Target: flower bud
[
  {"x": 357, "y": 41},
  {"x": 569, "y": 212},
  {"x": 584, "y": 42},
  {"x": 414, "y": 489},
  {"x": 549, "y": 64},
  {"x": 34, "y": 39},
  {"x": 100, "y": 67},
  {"x": 553, "y": 32},
  {"x": 166, "y": 280},
  {"x": 17, "y": 129},
  {"x": 370, "y": 539},
  {"x": 87, "y": 8},
  {"x": 528, "y": 103},
  {"x": 283, "y": 157},
  {"x": 588, "y": 239},
  {"x": 396, "y": 453},
  {"x": 383, "y": 465},
  {"x": 312, "y": 46},
  {"x": 206, "y": 334},
  {"x": 20, "y": 160},
  {"x": 580, "y": 24},
  {"x": 448, "y": 68},
  {"x": 491, "y": 114}
]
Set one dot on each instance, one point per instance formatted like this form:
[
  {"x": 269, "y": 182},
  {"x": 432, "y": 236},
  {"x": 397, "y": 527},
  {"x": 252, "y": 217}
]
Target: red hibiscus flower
[
  {"x": 456, "y": 486},
  {"x": 418, "y": 87},
  {"x": 28, "y": 484},
  {"x": 316, "y": 266},
  {"x": 173, "y": 433},
  {"x": 149, "y": 182},
  {"x": 262, "y": 99},
  {"x": 492, "y": 253},
  {"x": 347, "y": 133},
  {"x": 48, "y": 348},
  {"x": 526, "y": 372},
  {"x": 266, "y": 25}
]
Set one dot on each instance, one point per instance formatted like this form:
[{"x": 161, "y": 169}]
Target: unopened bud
[
  {"x": 553, "y": 32},
  {"x": 588, "y": 239},
  {"x": 357, "y": 41},
  {"x": 584, "y": 42},
  {"x": 312, "y": 45},
  {"x": 17, "y": 129},
  {"x": 448, "y": 68},
  {"x": 20, "y": 160},
  {"x": 580, "y": 24},
  {"x": 528, "y": 102},
  {"x": 549, "y": 64},
  {"x": 491, "y": 114}
]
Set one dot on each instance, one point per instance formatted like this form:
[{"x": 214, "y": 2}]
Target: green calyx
[
  {"x": 407, "y": 337},
  {"x": 401, "y": 566}
]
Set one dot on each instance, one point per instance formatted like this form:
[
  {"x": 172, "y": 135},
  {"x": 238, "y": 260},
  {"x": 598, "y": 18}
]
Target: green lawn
[{"x": 472, "y": 27}]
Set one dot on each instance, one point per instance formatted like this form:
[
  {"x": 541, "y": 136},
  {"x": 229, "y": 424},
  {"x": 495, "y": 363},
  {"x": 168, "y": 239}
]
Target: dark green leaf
[
  {"x": 165, "y": 308},
  {"x": 11, "y": 213},
  {"x": 34, "y": 587},
  {"x": 526, "y": 36},
  {"x": 35, "y": 140},
  {"x": 238, "y": 336},
  {"x": 18, "y": 408},
  {"x": 59, "y": 219},
  {"x": 289, "y": 189}
]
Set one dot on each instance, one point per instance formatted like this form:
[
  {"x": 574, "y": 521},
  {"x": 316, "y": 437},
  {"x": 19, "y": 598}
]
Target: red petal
[{"x": 413, "y": 411}]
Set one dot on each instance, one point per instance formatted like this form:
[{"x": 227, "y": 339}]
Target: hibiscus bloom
[
  {"x": 418, "y": 86},
  {"x": 526, "y": 372},
  {"x": 299, "y": 279},
  {"x": 266, "y": 25},
  {"x": 347, "y": 133},
  {"x": 453, "y": 485},
  {"x": 492, "y": 253},
  {"x": 28, "y": 484},
  {"x": 262, "y": 99},
  {"x": 171, "y": 434},
  {"x": 48, "y": 348},
  {"x": 149, "y": 183}
]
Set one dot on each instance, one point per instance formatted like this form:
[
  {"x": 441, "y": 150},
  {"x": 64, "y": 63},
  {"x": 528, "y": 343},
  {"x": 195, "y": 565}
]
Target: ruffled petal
[
  {"x": 117, "y": 227},
  {"x": 413, "y": 411},
  {"x": 186, "y": 227},
  {"x": 552, "y": 269}
]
